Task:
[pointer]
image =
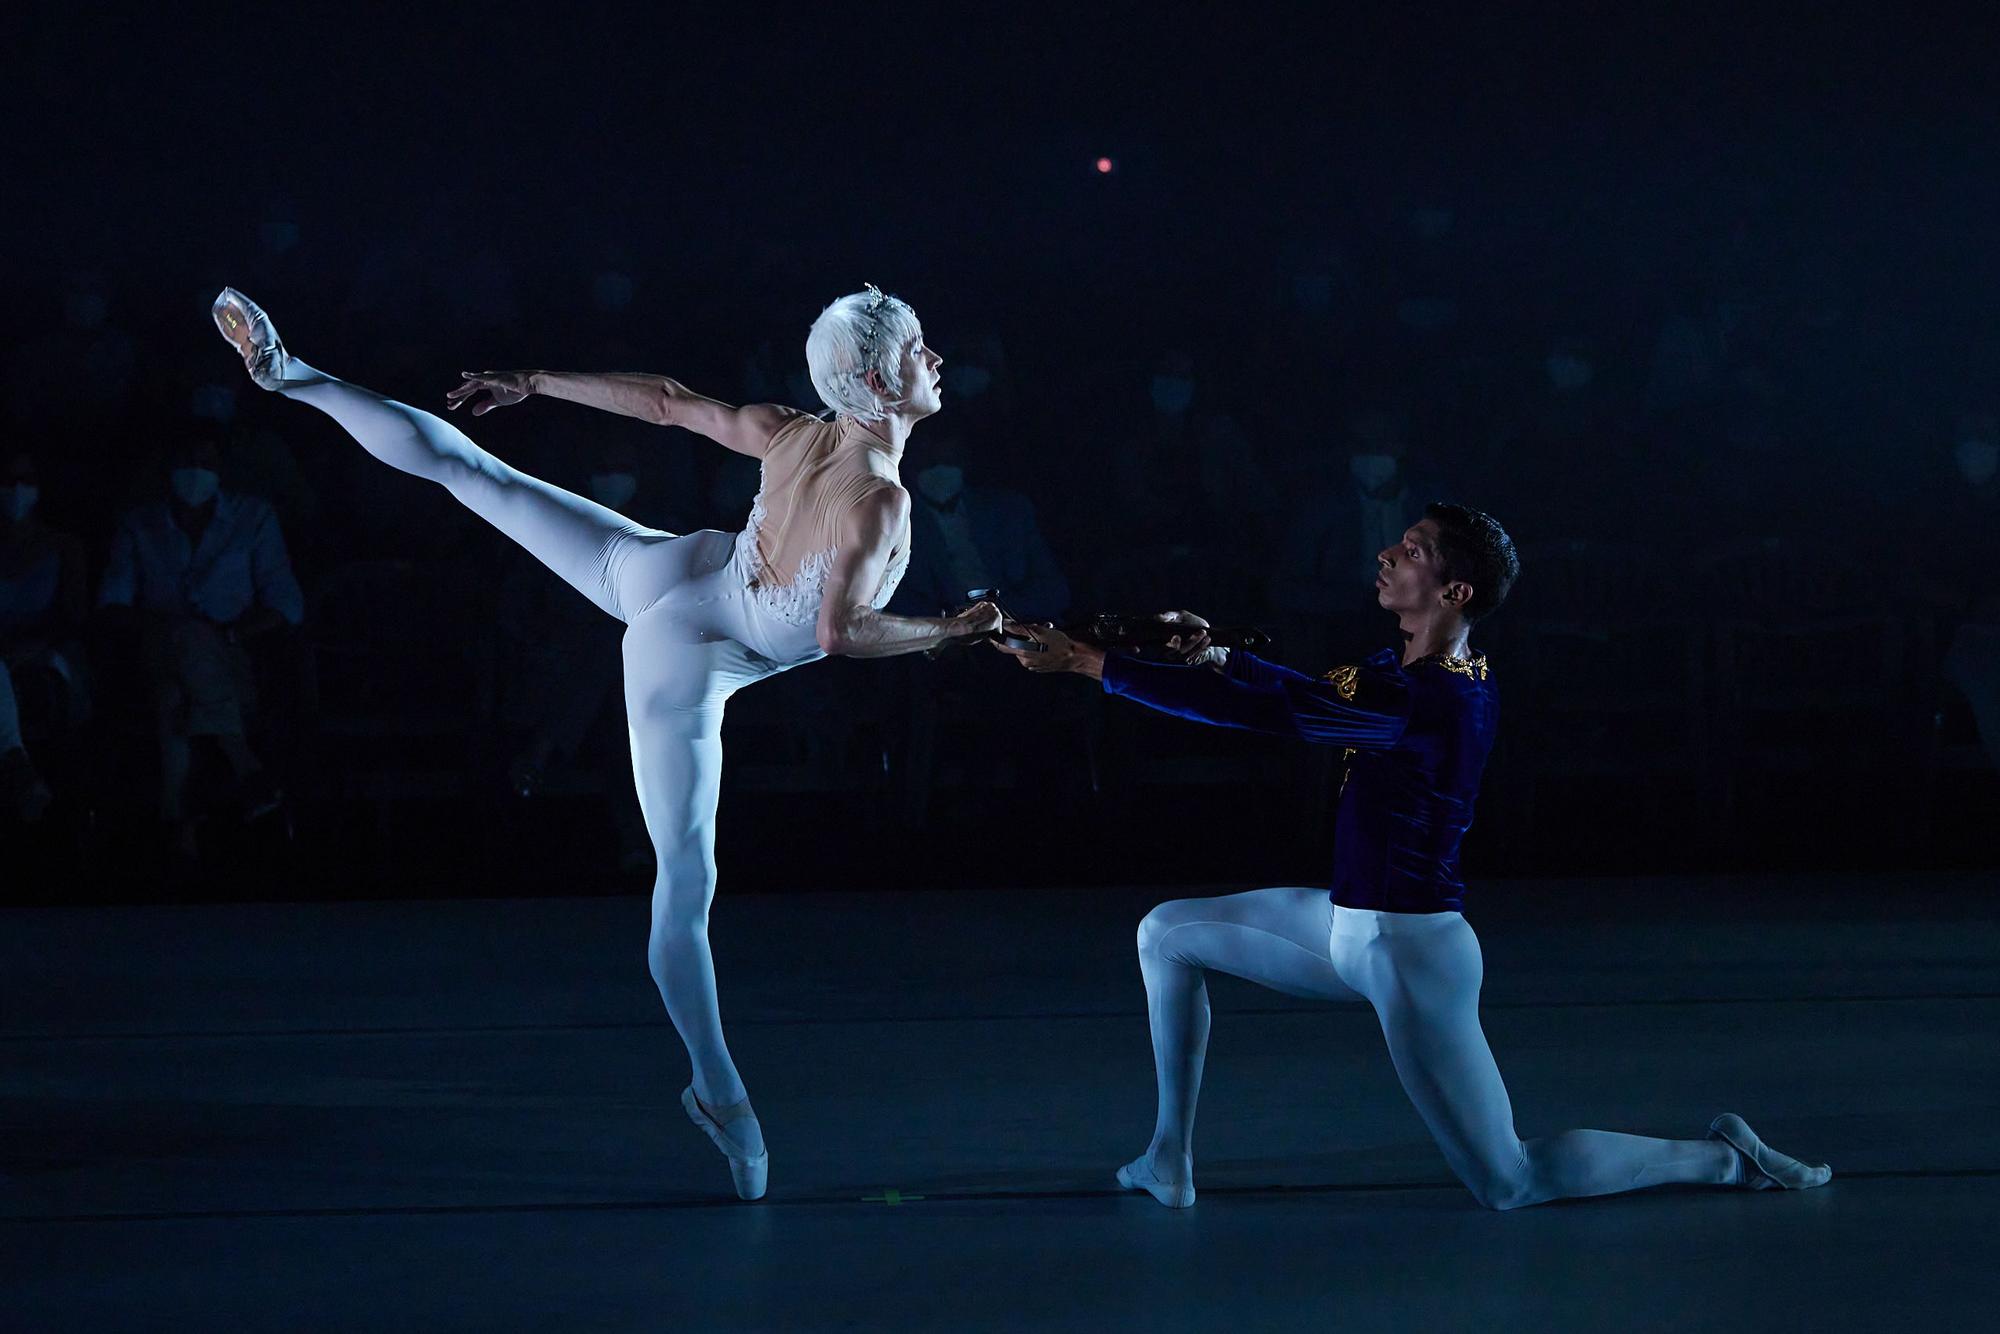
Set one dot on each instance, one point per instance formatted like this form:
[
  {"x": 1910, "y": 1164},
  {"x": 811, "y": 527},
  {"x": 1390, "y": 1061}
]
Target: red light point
[{"x": 1104, "y": 166}]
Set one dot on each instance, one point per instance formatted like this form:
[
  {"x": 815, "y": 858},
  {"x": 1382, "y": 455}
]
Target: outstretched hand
[
  {"x": 1191, "y": 646},
  {"x": 502, "y": 389},
  {"x": 980, "y": 619},
  {"x": 1059, "y": 652}
]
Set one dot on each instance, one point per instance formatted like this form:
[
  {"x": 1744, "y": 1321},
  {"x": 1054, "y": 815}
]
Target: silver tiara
[{"x": 878, "y": 301}]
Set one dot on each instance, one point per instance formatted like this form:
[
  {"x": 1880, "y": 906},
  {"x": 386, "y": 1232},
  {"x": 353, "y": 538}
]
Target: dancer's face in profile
[
  {"x": 1411, "y": 578},
  {"x": 920, "y": 379}
]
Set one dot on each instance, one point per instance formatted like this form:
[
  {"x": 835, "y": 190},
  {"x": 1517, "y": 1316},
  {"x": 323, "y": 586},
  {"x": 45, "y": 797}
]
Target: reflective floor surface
[{"x": 464, "y": 1115}]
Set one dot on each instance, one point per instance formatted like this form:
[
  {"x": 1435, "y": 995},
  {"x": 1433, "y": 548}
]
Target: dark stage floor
[{"x": 463, "y": 1115}]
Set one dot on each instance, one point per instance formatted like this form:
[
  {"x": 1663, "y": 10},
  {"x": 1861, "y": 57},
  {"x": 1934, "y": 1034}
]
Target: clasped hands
[{"x": 1060, "y": 653}]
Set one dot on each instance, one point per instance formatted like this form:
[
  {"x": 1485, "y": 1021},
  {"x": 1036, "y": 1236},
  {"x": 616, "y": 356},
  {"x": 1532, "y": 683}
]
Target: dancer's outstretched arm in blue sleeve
[{"x": 1354, "y": 707}]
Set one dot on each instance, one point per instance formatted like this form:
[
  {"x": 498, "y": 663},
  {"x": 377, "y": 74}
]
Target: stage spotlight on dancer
[
  {"x": 706, "y": 613},
  {"x": 1416, "y": 725}
]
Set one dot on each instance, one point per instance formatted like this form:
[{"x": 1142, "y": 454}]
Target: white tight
[
  {"x": 693, "y": 638},
  {"x": 1421, "y": 972}
]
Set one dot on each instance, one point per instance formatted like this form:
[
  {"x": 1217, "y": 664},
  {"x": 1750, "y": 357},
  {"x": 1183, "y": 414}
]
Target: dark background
[{"x": 1739, "y": 584}]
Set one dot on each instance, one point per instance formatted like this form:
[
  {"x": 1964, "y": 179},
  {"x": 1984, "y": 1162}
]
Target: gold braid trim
[
  {"x": 1471, "y": 668},
  {"x": 1345, "y": 680}
]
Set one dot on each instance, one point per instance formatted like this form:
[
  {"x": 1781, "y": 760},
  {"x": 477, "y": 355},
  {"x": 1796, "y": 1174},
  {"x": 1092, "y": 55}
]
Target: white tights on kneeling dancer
[
  {"x": 1421, "y": 972},
  {"x": 693, "y": 638}
]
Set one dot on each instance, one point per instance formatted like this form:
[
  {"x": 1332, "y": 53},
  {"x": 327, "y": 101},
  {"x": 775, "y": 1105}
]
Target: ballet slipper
[
  {"x": 748, "y": 1171},
  {"x": 1764, "y": 1168},
  {"x": 1138, "y": 1175},
  {"x": 246, "y": 327}
]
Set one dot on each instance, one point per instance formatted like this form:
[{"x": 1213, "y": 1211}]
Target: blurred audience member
[
  {"x": 80, "y": 373},
  {"x": 205, "y": 572},
  {"x": 977, "y": 376},
  {"x": 1348, "y": 506},
  {"x": 770, "y": 376},
  {"x": 1569, "y": 438},
  {"x": 43, "y": 601},
  {"x": 262, "y": 463},
  {"x": 1156, "y": 469},
  {"x": 964, "y": 537},
  {"x": 1689, "y": 356},
  {"x": 1237, "y": 492}
]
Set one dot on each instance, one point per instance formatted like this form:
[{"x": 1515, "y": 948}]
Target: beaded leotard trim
[{"x": 797, "y": 602}]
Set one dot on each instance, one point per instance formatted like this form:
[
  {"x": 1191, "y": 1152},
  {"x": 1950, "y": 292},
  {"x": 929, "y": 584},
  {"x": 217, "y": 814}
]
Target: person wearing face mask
[
  {"x": 1972, "y": 519},
  {"x": 1157, "y": 472},
  {"x": 42, "y": 604},
  {"x": 978, "y": 373},
  {"x": 1566, "y": 432},
  {"x": 1561, "y": 429},
  {"x": 1310, "y": 318},
  {"x": 1347, "y": 508},
  {"x": 966, "y": 536},
  {"x": 203, "y": 573}
]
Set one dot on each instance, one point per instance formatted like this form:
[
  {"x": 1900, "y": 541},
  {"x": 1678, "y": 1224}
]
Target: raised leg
[
  {"x": 581, "y": 540},
  {"x": 584, "y": 542}
]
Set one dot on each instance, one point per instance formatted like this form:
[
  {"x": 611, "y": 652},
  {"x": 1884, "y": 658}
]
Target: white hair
[{"x": 857, "y": 334}]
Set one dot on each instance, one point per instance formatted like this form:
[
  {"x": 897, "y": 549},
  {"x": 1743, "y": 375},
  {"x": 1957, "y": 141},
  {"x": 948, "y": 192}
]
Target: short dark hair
[{"x": 1472, "y": 546}]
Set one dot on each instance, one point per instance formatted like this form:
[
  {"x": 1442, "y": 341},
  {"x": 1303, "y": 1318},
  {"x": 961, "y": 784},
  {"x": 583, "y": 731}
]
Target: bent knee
[
  {"x": 1503, "y": 1191},
  {"x": 1153, "y": 928}
]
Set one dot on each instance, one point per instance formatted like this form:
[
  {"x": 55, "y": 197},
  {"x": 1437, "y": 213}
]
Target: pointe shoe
[
  {"x": 1764, "y": 1168},
  {"x": 249, "y": 330},
  {"x": 749, "y": 1172},
  {"x": 1138, "y": 1175}
]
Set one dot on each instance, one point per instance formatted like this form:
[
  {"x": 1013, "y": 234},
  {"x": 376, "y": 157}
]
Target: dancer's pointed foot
[
  {"x": 249, "y": 330},
  {"x": 1172, "y": 1185},
  {"x": 735, "y": 1131},
  {"x": 1764, "y": 1168}
]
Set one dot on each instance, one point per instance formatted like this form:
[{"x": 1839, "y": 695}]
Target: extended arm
[
  {"x": 849, "y": 626},
  {"x": 1263, "y": 697},
  {"x": 650, "y": 398},
  {"x": 1252, "y": 694}
]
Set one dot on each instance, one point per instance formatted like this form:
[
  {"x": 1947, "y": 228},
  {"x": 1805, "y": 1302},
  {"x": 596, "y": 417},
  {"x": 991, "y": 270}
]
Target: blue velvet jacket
[{"x": 1417, "y": 738}]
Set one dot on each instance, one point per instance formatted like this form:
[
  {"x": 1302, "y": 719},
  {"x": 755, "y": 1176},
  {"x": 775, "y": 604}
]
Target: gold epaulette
[{"x": 1473, "y": 669}]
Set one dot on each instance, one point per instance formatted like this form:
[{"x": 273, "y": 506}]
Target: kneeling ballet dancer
[{"x": 1416, "y": 726}]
